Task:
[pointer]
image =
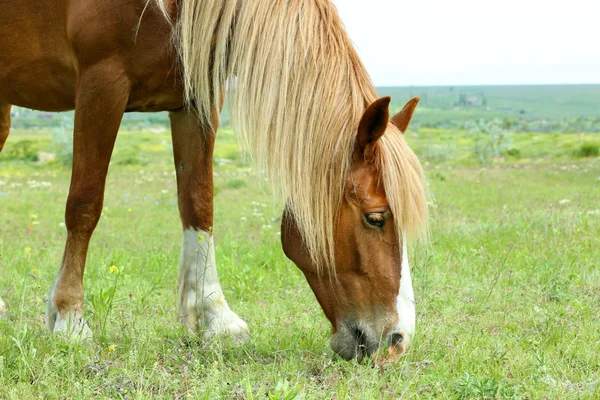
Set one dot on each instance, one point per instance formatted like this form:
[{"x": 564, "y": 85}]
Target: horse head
[{"x": 368, "y": 295}]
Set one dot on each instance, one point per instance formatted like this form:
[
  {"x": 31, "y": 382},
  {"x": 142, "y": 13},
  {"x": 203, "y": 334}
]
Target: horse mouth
[{"x": 361, "y": 344}]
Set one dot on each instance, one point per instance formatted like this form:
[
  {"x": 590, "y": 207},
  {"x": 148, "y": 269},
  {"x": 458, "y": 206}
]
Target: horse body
[{"x": 346, "y": 233}]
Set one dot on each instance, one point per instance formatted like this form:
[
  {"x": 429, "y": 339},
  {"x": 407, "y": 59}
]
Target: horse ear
[
  {"x": 402, "y": 119},
  {"x": 372, "y": 124}
]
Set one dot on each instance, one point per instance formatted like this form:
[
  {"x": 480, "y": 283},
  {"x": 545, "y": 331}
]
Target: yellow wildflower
[
  {"x": 28, "y": 251},
  {"x": 112, "y": 348},
  {"x": 201, "y": 238},
  {"x": 114, "y": 269}
]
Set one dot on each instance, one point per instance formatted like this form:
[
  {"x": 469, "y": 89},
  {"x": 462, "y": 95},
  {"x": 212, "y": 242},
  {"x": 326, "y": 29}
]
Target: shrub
[
  {"x": 512, "y": 152},
  {"x": 235, "y": 183},
  {"x": 130, "y": 155},
  {"x": 62, "y": 141},
  {"x": 26, "y": 150},
  {"x": 491, "y": 140},
  {"x": 588, "y": 150},
  {"x": 435, "y": 153}
]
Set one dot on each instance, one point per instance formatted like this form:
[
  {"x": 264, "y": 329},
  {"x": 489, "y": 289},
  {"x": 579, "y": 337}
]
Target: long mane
[{"x": 297, "y": 91}]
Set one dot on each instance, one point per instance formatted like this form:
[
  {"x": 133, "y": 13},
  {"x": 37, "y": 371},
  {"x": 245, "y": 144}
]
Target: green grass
[{"x": 508, "y": 291}]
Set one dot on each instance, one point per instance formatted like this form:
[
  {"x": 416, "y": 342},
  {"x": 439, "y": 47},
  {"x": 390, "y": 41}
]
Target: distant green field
[
  {"x": 551, "y": 108},
  {"x": 557, "y": 109},
  {"x": 535, "y": 101},
  {"x": 508, "y": 290}
]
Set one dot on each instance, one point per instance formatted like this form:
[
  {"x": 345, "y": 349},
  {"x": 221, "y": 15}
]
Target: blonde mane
[{"x": 297, "y": 91}]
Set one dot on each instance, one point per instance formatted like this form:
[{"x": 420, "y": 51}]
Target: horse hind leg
[
  {"x": 4, "y": 129},
  {"x": 101, "y": 101},
  {"x": 202, "y": 305}
]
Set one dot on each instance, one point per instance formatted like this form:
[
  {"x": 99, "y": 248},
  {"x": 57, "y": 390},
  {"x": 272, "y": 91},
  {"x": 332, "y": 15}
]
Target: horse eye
[{"x": 375, "y": 219}]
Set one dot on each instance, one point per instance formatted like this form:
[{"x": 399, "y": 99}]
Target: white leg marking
[
  {"x": 202, "y": 305},
  {"x": 2, "y": 308},
  {"x": 405, "y": 302},
  {"x": 69, "y": 323}
]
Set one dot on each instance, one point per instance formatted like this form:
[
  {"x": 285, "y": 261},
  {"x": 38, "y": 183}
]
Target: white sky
[{"x": 469, "y": 42}]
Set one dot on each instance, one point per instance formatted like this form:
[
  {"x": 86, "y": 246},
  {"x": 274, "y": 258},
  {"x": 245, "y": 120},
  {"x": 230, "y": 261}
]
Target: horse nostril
[{"x": 396, "y": 339}]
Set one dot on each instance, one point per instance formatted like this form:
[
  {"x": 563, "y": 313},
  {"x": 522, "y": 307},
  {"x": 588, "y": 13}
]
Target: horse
[{"x": 301, "y": 101}]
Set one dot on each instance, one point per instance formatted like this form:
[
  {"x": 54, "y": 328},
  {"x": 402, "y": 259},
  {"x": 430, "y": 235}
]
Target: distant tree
[{"x": 508, "y": 124}]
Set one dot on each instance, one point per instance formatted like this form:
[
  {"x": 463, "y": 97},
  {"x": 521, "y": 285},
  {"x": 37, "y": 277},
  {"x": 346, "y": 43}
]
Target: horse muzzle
[{"x": 353, "y": 340}]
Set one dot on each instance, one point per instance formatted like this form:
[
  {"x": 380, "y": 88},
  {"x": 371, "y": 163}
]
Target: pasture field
[{"x": 508, "y": 289}]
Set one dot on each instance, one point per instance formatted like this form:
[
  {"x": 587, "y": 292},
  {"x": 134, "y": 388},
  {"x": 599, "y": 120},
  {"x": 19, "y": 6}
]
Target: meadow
[{"x": 507, "y": 289}]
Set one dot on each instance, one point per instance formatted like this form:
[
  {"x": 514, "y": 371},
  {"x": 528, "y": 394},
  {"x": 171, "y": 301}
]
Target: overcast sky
[{"x": 468, "y": 42}]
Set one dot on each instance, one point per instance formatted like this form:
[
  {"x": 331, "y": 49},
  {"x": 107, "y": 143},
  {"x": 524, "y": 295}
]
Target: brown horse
[{"x": 300, "y": 98}]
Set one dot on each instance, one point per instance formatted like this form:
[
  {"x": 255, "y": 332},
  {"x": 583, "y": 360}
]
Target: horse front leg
[
  {"x": 202, "y": 306},
  {"x": 101, "y": 99}
]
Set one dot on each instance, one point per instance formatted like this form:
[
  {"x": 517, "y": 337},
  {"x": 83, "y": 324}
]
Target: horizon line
[{"x": 490, "y": 84}]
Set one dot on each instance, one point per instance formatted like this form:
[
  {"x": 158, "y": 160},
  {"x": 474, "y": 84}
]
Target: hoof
[
  {"x": 73, "y": 327},
  {"x": 68, "y": 323},
  {"x": 227, "y": 324}
]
